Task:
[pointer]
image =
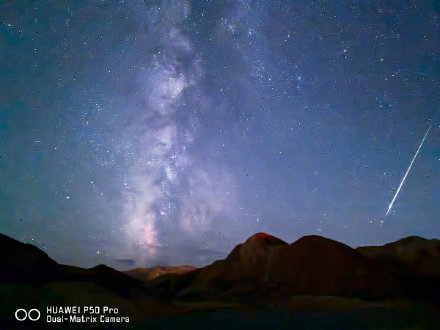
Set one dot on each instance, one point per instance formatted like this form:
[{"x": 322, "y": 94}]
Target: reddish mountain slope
[
  {"x": 148, "y": 274},
  {"x": 265, "y": 267}
]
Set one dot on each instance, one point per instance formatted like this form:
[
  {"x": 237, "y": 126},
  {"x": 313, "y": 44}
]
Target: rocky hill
[{"x": 264, "y": 273}]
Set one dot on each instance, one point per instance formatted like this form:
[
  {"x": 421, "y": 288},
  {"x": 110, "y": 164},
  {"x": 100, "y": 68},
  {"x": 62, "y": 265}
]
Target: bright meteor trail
[{"x": 407, "y": 171}]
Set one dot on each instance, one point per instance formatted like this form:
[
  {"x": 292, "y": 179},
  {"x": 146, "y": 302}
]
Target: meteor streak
[{"x": 407, "y": 171}]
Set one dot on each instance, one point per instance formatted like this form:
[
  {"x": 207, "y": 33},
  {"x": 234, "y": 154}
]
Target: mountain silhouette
[
  {"x": 265, "y": 267},
  {"x": 312, "y": 273},
  {"x": 25, "y": 263},
  {"x": 29, "y": 278},
  {"x": 420, "y": 255},
  {"x": 148, "y": 274}
]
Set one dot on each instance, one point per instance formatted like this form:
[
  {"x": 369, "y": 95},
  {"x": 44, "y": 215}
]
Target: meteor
[{"x": 407, "y": 171}]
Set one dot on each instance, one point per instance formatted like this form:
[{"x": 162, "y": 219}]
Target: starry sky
[{"x": 136, "y": 133}]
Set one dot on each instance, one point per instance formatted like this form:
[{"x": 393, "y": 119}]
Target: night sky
[{"x": 136, "y": 133}]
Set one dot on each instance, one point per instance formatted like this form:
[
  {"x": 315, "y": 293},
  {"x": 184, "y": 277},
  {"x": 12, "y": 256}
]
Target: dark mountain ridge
[
  {"x": 421, "y": 256},
  {"x": 265, "y": 267},
  {"x": 262, "y": 271},
  {"x": 25, "y": 263}
]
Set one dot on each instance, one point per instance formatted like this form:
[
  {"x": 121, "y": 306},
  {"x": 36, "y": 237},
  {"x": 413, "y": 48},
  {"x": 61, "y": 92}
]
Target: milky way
[{"x": 135, "y": 133}]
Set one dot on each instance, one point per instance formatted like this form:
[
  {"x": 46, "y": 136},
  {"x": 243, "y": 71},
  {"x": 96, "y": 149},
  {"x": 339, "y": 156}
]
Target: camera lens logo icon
[{"x": 22, "y": 315}]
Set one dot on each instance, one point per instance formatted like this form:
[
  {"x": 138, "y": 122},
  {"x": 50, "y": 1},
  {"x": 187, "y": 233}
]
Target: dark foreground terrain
[{"x": 313, "y": 283}]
